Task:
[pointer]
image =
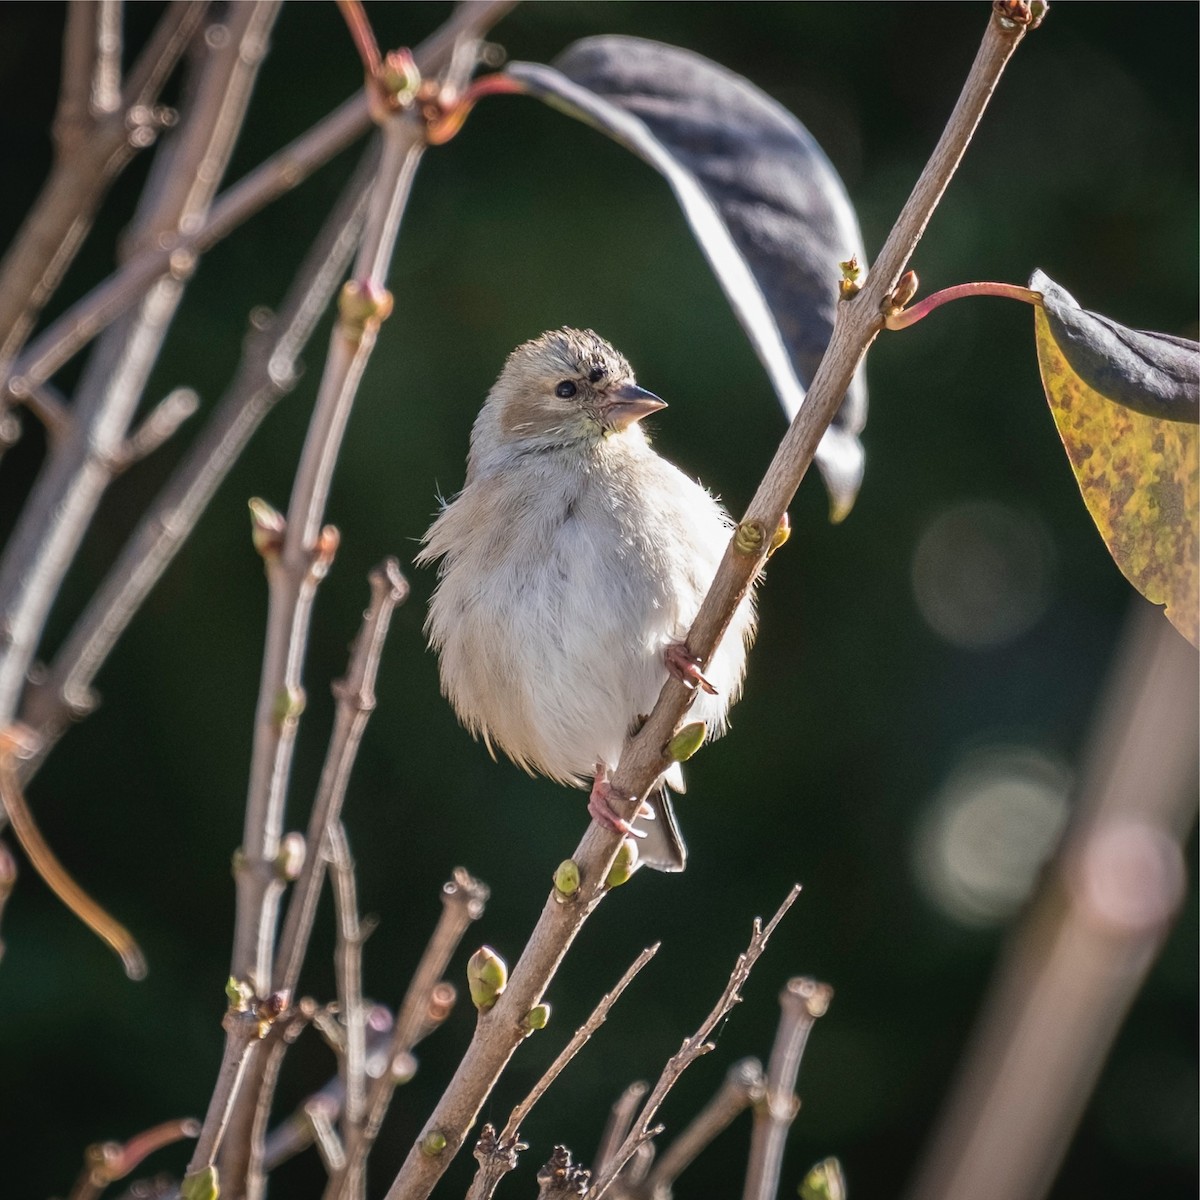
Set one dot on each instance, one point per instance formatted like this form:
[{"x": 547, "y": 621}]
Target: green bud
[
  {"x": 205, "y": 1184},
  {"x": 538, "y": 1017},
  {"x": 824, "y": 1182},
  {"x": 566, "y": 877},
  {"x": 625, "y": 863},
  {"x": 687, "y": 740},
  {"x": 239, "y": 994},
  {"x": 289, "y": 704},
  {"x": 363, "y": 305},
  {"x": 433, "y": 1144},
  {"x": 749, "y": 538},
  {"x": 782, "y": 533},
  {"x": 487, "y": 977}
]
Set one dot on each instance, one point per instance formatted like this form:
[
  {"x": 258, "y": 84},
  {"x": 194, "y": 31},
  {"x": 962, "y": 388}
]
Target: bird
[{"x": 570, "y": 568}]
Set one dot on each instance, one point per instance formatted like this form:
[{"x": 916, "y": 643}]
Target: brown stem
[
  {"x": 62, "y": 340},
  {"x": 92, "y": 146},
  {"x": 1074, "y": 965},
  {"x": 268, "y": 371},
  {"x": 183, "y": 179},
  {"x": 904, "y": 317},
  {"x": 801, "y": 1003},
  {"x": 644, "y": 757},
  {"x": 744, "y": 1085},
  {"x": 106, "y": 1162},
  {"x": 355, "y": 702},
  {"x": 362, "y": 35},
  {"x": 463, "y": 901}
]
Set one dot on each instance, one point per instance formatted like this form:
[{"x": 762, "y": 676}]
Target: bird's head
[{"x": 564, "y": 387}]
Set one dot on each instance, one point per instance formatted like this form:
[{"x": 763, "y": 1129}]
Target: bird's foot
[
  {"x": 600, "y": 806},
  {"x": 685, "y": 666}
]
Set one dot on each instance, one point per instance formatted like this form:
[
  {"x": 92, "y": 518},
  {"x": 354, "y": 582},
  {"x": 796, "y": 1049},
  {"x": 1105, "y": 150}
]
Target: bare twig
[
  {"x": 644, "y": 757},
  {"x": 72, "y": 331},
  {"x": 693, "y": 1048},
  {"x": 620, "y": 1121},
  {"x": 47, "y": 405},
  {"x": 801, "y": 1002},
  {"x": 352, "y": 1064},
  {"x": 106, "y": 1162},
  {"x": 498, "y": 1155},
  {"x": 356, "y": 701},
  {"x": 15, "y": 743},
  {"x": 64, "y": 499},
  {"x": 161, "y": 423},
  {"x": 268, "y": 371},
  {"x": 744, "y": 1085},
  {"x": 582, "y": 1035},
  {"x": 463, "y": 900},
  {"x": 1077, "y": 960},
  {"x": 92, "y": 145}
]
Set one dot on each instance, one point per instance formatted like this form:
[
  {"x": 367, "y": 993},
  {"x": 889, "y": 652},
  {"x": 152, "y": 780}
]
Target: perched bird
[{"x": 571, "y": 566}]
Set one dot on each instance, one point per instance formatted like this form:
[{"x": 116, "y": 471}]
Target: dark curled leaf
[
  {"x": 1152, "y": 373},
  {"x": 765, "y": 204}
]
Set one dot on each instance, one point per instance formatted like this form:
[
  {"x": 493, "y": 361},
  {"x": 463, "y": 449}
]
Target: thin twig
[
  {"x": 582, "y": 1035},
  {"x": 48, "y": 406},
  {"x": 693, "y": 1048},
  {"x": 463, "y": 901},
  {"x": 161, "y": 424},
  {"x": 273, "y": 178},
  {"x": 14, "y": 744},
  {"x": 268, "y": 371},
  {"x": 106, "y": 1162},
  {"x": 352, "y": 1063},
  {"x": 620, "y": 1121},
  {"x": 355, "y": 702},
  {"x": 801, "y": 1002},
  {"x": 497, "y": 1154},
  {"x": 182, "y": 181},
  {"x": 90, "y": 151},
  {"x": 744, "y": 1086}
]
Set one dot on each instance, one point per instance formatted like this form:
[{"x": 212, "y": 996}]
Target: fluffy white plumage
[{"x": 571, "y": 560}]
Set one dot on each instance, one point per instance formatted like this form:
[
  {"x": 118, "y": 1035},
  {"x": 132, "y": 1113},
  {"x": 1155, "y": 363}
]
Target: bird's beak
[{"x": 627, "y": 404}]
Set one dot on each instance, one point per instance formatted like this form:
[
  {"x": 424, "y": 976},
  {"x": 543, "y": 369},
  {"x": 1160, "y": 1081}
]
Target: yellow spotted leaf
[{"x": 1140, "y": 479}]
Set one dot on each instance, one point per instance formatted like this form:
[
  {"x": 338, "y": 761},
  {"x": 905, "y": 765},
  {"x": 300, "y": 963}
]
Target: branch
[
  {"x": 161, "y": 424},
  {"x": 106, "y": 1162},
  {"x": 498, "y": 1155},
  {"x": 268, "y": 371},
  {"x": 463, "y": 901},
  {"x": 802, "y": 1001},
  {"x": 64, "y": 499},
  {"x": 744, "y": 1086},
  {"x": 1074, "y": 965},
  {"x": 14, "y": 744},
  {"x": 92, "y": 146},
  {"x": 355, "y": 702},
  {"x": 644, "y": 757},
  {"x": 62, "y": 340},
  {"x": 693, "y": 1048}
]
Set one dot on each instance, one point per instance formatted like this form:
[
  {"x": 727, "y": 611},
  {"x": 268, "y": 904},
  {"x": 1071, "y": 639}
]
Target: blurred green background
[{"x": 936, "y": 659}]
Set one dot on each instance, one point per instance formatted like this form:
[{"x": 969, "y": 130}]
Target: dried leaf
[
  {"x": 765, "y": 204},
  {"x": 1139, "y": 474}
]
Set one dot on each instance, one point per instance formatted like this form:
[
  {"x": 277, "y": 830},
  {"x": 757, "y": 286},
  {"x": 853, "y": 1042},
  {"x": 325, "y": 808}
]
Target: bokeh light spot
[
  {"x": 996, "y": 820},
  {"x": 981, "y": 573}
]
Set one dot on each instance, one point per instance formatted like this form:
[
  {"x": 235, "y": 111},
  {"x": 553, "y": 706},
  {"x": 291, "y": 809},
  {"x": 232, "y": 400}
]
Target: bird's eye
[
  {"x": 565, "y": 390},
  {"x": 595, "y": 375}
]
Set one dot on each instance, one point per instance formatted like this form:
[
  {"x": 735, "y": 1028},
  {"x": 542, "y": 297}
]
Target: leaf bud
[
  {"x": 687, "y": 740},
  {"x": 487, "y": 977},
  {"x": 624, "y": 864},
  {"x": 566, "y": 878}
]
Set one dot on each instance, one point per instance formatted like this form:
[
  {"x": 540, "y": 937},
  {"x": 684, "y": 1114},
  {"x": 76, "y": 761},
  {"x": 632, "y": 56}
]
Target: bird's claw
[
  {"x": 601, "y": 808},
  {"x": 685, "y": 666}
]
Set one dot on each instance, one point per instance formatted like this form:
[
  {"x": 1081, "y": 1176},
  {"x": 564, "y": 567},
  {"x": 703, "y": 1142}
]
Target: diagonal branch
[
  {"x": 644, "y": 757},
  {"x": 693, "y": 1048}
]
